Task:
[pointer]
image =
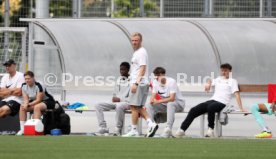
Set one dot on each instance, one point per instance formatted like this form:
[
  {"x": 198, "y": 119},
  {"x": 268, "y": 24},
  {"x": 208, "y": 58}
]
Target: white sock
[
  {"x": 22, "y": 125},
  {"x": 134, "y": 127},
  {"x": 266, "y": 129},
  {"x": 149, "y": 122}
]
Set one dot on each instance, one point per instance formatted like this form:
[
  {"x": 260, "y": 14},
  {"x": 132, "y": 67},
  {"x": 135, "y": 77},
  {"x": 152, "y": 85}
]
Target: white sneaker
[
  {"x": 166, "y": 133},
  {"x": 180, "y": 133},
  {"x": 117, "y": 132},
  {"x": 20, "y": 133},
  {"x": 103, "y": 130},
  {"x": 210, "y": 133},
  {"x": 131, "y": 133},
  {"x": 152, "y": 130}
]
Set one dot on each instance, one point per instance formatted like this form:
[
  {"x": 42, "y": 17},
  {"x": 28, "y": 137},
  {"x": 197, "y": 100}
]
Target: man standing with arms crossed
[
  {"x": 10, "y": 90},
  {"x": 139, "y": 87}
]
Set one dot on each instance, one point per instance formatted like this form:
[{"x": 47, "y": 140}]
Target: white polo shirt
[
  {"x": 224, "y": 88},
  {"x": 167, "y": 89},
  {"x": 15, "y": 82},
  {"x": 139, "y": 58}
]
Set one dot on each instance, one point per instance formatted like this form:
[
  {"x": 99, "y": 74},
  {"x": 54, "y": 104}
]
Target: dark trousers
[{"x": 210, "y": 107}]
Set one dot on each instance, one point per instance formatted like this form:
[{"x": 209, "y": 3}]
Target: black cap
[{"x": 9, "y": 62}]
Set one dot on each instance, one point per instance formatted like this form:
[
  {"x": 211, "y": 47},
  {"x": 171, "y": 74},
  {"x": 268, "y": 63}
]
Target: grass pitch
[{"x": 87, "y": 147}]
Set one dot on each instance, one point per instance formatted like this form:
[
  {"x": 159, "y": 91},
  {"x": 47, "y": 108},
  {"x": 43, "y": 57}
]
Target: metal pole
[
  {"x": 75, "y": 8},
  {"x": 42, "y": 9},
  {"x": 41, "y": 57},
  {"x": 206, "y": 8},
  {"x": 31, "y": 8},
  {"x": 7, "y": 13},
  {"x": 30, "y": 47},
  {"x": 24, "y": 43},
  {"x": 269, "y": 8},
  {"x": 6, "y": 34},
  {"x": 261, "y": 8},
  {"x": 141, "y": 8},
  {"x": 211, "y": 8},
  {"x": 161, "y": 8},
  {"x": 79, "y": 8},
  {"x": 112, "y": 8}
]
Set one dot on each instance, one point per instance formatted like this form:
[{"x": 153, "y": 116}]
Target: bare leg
[
  {"x": 262, "y": 108},
  {"x": 134, "y": 114},
  {"x": 38, "y": 109},
  {"x": 255, "y": 110},
  {"x": 4, "y": 111},
  {"x": 23, "y": 113},
  {"x": 144, "y": 113}
]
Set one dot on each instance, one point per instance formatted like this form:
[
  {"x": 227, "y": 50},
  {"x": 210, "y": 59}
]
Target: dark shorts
[
  {"x": 50, "y": 103},
  {"x": 13, "y": 105}
]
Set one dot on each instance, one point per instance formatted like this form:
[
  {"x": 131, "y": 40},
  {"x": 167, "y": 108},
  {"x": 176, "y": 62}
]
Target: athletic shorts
[
  {"x": 140, "y": 97},
  {"x": 270, "y": 112},
  {"x": 50, "y": 103},
  {"x": 13, "y": 105}
]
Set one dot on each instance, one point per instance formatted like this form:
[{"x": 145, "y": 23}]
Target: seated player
[
  {"x": 265, "y": 108},
  {"x": 10, "y": 90},
  {"x": 225, "y": 86},
  {"x": 35, "y": 99},
  {"x": 119, "y": 102},
  {"x": 171, "y": 99}
]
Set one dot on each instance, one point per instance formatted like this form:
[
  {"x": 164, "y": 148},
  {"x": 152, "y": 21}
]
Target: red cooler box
[{"x": 33, "y": 127}]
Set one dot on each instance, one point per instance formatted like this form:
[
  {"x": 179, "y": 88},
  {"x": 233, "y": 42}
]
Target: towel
[
  {"x": 75, "y": 105},
  {"x": 271, "y": 93}
]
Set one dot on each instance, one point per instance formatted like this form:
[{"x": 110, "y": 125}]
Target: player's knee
[
  {"x": 21, "y": 109},
  {"x": 119, "y": 109},
  {"x": 193, "y": 110},
  {"x": 3, "y": 113},
  {"x": 171, "y": 105},
  {"x": 37, "y": 108}
]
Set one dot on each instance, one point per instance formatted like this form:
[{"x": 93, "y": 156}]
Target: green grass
[{"x": 87, "y": 147}]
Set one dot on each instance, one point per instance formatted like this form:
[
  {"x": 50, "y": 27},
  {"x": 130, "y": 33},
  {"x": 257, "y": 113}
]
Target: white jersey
[
  {"x": 139, "y": 58},
  {"x": 224, "y": 88},
  {"x": 167, "y": 89},
  {"x": 15, "y": 82}
]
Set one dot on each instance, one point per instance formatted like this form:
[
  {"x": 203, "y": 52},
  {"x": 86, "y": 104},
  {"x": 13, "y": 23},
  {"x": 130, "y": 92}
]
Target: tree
[
  {"x": 17, "y": 10},
  {"x": 60, "y": 8},
  {"x": 237, "y": 8},
  {"x": 131, "y": 8}
]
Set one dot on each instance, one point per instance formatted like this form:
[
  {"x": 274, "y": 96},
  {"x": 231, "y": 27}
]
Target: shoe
[
  {"x": 179, "y": 133},
  {"x": 117, "y": 132},
  {"x": 264, "y": 134},
  {"x": 152, "y": 130},
  {"x": 210, "y": 133},
  {"x": 166, "y": 133},
  {"x": 131, "y": 133},
  {"x": 20, "y": 133},
  {"x": 103, "y": 131}
]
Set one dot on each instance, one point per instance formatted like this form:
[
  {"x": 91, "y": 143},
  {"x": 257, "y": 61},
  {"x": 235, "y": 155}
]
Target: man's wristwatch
[{"x": 136, "y": 83}]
